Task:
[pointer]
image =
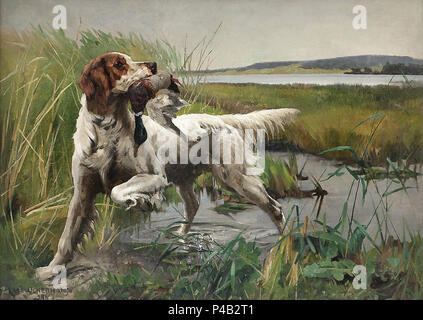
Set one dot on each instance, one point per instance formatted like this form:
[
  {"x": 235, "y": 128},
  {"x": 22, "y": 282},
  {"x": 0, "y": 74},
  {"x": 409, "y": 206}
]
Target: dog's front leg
[
  {"x": 80, "y": 215},
  {"x": 143, "y": 191}
]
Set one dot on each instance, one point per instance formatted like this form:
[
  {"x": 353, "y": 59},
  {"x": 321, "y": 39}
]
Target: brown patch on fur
[
  {"x": 98, "y": 79},
  {"x": 116, "y": 176}
]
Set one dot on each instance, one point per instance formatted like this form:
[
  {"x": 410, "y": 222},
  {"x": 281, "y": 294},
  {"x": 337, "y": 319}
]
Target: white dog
[{"x": 107, "y": 160}]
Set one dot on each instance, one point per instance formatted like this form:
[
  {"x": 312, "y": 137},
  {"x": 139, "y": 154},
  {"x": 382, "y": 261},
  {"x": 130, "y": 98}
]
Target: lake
[
  {"x": 405, "y": 209},
  {"x": 318, "y": 79}
]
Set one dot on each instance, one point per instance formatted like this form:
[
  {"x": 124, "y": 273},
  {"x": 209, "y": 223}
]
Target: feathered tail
[{"x": 272, "y": 120}]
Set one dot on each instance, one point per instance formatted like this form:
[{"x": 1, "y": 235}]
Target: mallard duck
[{"x": 159, "y": 93}]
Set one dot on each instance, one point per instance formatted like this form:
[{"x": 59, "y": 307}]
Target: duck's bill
[{"x": 175, "y": 84}]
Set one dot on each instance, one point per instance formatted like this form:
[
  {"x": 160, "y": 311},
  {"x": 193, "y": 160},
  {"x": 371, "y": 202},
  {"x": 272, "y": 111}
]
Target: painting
[{"x": 211, "y": 150}]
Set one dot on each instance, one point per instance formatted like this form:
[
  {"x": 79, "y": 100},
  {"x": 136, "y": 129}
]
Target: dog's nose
[{"x": 152, "y": 66}]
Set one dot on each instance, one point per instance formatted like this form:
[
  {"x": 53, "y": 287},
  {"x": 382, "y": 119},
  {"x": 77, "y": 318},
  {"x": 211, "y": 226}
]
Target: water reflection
[{"x": 401, "y": 211}]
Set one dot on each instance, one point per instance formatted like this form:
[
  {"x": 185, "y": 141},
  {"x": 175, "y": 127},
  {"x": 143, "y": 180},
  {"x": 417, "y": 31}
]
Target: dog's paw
[
  {"x": 146, "y": 202},
  {"x": 44, "y": 273}
]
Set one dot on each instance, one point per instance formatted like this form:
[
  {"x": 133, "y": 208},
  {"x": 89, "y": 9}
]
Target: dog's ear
[{"x": 95, "y": 84}]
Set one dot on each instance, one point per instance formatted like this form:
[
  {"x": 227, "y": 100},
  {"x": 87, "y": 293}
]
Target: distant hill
[{"x": 340, "y": 63}]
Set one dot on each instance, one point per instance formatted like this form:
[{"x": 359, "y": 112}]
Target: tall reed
[{"x": 39, "y": 105}]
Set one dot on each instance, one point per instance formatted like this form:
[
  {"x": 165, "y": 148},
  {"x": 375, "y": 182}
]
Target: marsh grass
[
  {"x": 39, "y": 106},
  {"x": 311, "y": 259},
  {"x": 328, "y": 113},
  {"x": 331, "y": 252},
  {"x": 289, "y": 69},
  {"x": 281, "y": 178}
]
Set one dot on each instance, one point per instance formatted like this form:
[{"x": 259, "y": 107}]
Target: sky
[{"x": 250, "y": 32}]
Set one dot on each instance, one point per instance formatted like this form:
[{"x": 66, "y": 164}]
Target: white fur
[{"x": 105, "y": 142}]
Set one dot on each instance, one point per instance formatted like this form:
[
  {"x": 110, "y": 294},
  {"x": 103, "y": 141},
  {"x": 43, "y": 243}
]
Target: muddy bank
[{"x": 86, "y": 268}]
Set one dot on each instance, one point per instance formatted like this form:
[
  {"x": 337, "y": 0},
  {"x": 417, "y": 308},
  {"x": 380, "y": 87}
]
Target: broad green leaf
[
  {"x": 338, "y": 274},
  {"x": 311, "y": 245}
]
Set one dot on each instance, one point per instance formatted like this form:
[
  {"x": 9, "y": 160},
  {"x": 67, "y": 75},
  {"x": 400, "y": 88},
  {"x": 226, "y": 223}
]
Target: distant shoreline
[
  {"x": 364, "y": 64},
  {"x": 305, "y": 72},
  {"x": 316, "y": 79}
]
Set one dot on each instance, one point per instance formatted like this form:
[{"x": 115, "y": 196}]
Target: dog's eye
[{"x": 118, "y": 64}]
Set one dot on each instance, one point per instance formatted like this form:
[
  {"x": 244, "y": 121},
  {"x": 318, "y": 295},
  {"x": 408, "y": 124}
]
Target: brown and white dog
[{"x": 104, "y": 160}]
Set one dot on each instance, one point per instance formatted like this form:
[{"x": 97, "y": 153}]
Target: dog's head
[{"x": 111, "y": 73}]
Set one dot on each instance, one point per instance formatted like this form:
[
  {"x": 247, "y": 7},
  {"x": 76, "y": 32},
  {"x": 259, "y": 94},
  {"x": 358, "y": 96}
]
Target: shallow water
[
  {"x": 404, "y": 209},
  {"x": 319, "y": 79}
]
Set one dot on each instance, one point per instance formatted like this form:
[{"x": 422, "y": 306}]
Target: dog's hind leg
[
  {"x": 251, "y": 187},
  {"x": 190, "y": 201}
]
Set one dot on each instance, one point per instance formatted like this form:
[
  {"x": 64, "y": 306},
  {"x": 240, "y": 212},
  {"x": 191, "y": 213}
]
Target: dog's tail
[{"x": 272, "y": 120}]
